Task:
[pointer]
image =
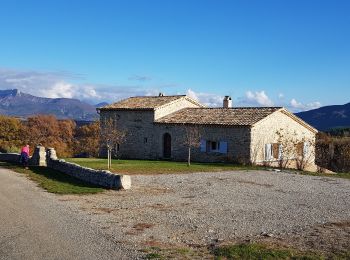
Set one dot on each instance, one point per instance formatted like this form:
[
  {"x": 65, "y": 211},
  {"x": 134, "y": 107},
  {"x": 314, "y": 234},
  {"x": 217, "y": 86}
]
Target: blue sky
[{"x": 285, "y": 53}]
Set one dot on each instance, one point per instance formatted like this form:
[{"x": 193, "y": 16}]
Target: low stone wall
[
  {"x": 48, "y": 158},
  {"x": 98, "y": 177},
  {"x": 10, "y": 157}
]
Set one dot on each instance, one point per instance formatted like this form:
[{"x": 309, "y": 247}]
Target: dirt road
[{"x": 37, "y": 225}]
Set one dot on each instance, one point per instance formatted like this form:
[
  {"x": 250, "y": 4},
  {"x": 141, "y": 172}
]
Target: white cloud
[
  {"x": 296, "y": 106},
  {"x": 257, "y": 98},
  {"x": 280, "y": 95},
  {"x": 208, "y": 99},
  {"x": 60, "y": 85}
]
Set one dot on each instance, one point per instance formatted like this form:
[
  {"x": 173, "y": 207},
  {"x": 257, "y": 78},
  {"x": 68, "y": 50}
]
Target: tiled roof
[
  {"x": 144, "y": 103},
  {"x": 243, "y": 116}
]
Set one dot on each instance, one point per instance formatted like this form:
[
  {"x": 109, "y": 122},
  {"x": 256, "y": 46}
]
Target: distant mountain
[
  {"x": 102, "y": 104},
  {"x": 328, "y": 117},
  {"x": 16, "y": 103}
]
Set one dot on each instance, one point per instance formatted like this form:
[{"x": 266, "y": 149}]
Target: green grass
[
  {"x": 250, "y": 251},
  {"x": 259, "y": 251},
  {"x": 156, "y": 167},
  {"x": 54, "y": 181}
]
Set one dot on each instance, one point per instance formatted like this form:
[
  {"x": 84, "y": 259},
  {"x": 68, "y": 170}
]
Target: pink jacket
[{"x": 25, "y": 149}]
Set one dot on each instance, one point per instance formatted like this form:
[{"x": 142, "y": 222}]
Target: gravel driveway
[
  {"x": 177, "y": 210},
  {"x": 204, "y": 208}
]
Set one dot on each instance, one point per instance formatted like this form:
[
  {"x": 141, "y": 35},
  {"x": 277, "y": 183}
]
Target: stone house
[{"x": 156, "y": 128}]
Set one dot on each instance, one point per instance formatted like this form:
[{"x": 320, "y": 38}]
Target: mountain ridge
[
  {"x": 327, "y": 117},
  {"x": 13, "y": 102}
]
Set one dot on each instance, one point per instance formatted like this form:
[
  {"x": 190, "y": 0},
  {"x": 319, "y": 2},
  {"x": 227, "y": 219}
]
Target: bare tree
[
  {"x": 191, "y": 139},
  {"x": 300, "y": 150},
  {"x": 111, "y": 137}
]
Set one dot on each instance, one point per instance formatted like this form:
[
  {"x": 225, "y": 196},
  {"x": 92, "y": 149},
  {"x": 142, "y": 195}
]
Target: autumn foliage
[{"x": 68, "y": 139}]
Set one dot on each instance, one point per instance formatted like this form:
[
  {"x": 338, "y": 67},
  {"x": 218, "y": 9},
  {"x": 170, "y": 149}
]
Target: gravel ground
[
  {"x": 34, "y": 224},
  {"x": 205, "y": 208}
]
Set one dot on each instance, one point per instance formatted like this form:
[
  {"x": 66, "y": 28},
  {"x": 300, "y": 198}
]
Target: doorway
[{"x": 166, "y": 145}]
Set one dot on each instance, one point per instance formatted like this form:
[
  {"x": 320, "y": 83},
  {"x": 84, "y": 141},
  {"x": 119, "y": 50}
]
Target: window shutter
[
  {"x": 275, "y": 150},
  {"x": 203, "y": 146},
  {"x": 268, "y": 151},
  {"x": 300, "y": 148},
  {"x": 280, "y": 152},
  {"x": 223, "y": 147},
  {"x": 306, "y": 148}
]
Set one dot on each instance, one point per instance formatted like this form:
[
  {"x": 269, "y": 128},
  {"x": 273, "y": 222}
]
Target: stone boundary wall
[
  {"x": 98, "y": 177},
  {"x": 10, "y": 157},
  {"x": 48, "y": 158}
]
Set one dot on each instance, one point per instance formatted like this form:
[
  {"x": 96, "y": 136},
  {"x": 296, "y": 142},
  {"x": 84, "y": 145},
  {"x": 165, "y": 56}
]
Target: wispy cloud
[
  {"x": 208, "y": 99},
  {"x": 255, "y": 98},
  {"x": 140, "y": 78},
  {"x": 296, "y": 106}
]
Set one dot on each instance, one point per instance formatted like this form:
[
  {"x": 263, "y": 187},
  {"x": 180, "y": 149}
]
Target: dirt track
[{"x": 38, "y": 225}]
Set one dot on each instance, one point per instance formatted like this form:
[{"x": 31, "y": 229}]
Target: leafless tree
[
  {"x": 191, "y": 139},
  {"x": 111, "y": 137},
  {"x": 300, "y": 150}
]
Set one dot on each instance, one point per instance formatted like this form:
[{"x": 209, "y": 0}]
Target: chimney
[{"x": 227, "y": 102}]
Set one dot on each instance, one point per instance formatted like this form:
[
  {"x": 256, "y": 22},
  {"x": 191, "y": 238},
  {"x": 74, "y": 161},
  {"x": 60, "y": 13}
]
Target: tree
[
  {"x": 191, "y": 139},
  {"x": 111, "y": 137},
  {"x": 87, "y": 139},
  {"x": 10, "y": 134},
  {"x": 50, "y": 132},
  {"x": 296, "y": 148}
]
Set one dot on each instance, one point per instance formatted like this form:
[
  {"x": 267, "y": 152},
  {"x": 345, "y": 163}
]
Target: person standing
[{"x": 25, "y": 156}]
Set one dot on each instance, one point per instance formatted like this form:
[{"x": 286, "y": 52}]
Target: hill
[
  {"x": 16, "y": 103},
  {"x": 328, "y": 117}
]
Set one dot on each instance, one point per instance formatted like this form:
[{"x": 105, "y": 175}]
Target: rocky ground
[{"x": 202, "y": 210}]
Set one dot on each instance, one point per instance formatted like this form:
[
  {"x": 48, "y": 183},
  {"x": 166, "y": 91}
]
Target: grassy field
[
  {"x": 54, "y": 181},
  {"x": 166, "y": 167},
  {"x": 237, "y": 251},
  {"x": 155, "y": 167}
]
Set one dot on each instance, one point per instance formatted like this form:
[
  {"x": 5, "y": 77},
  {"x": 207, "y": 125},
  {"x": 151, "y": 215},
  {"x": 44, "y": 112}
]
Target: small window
[
  {"x": 145, "y": 140},
  {"x": 117, "y": 148}
]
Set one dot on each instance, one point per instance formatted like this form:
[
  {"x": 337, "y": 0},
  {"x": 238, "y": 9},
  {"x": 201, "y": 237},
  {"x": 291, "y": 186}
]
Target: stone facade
[
  {"x": 241, "y": 138},
  {"x": 291, "y": 133}
]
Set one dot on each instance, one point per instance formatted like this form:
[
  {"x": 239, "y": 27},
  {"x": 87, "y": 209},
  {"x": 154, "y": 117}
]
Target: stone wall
[
  {"x": 173, "y": 107},
  {"x": 237, "y": 139},
  {"x": 264, "y": 132},
  {"x": 10, "y": 157},
  {"x": 98, "y": 177},
  {"x": 48, "y": 158}
]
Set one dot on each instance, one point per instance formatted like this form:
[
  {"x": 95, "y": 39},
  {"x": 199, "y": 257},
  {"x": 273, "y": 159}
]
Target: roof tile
[{"x": 244, "y": 116}]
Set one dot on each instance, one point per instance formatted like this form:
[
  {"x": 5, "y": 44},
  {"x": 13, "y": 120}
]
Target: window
[
  {"x": 117, "y": 148},
  {"x": 213, "y": 146},
  {"x": 273, "y": 151},
  {"x": 145, "y": 140}
]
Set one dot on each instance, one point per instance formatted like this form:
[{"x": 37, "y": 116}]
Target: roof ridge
[
  {"x": 156, "y": 96},
  {"x": 234, "y": 108}
]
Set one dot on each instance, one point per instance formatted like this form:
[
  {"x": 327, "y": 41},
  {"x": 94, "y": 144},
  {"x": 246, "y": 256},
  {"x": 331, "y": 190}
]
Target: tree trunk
[
  {"x": 189, "y": 157},
  {"x": 108, "y": 159}
]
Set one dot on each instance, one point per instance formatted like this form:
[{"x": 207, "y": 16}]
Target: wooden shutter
[
  {"x": 203, "y": 146},
  {"x": 223, "y": 147},
  {"x": 300, "y": 148},
  {"x": 275, "y": 150}
]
